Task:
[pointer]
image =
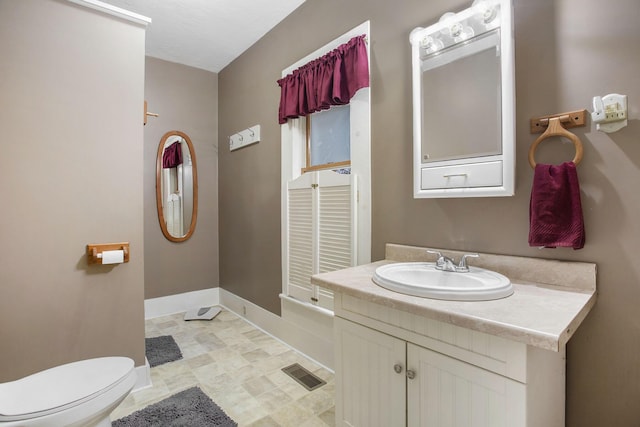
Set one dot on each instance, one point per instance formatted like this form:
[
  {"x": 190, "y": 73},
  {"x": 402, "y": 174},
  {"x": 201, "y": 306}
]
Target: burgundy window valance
[
  {"x": 332, "y": 79},
  {"x": 172, "y": 156}
]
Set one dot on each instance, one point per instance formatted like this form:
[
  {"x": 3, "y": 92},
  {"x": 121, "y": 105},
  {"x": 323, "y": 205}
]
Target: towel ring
[{"x": 555, "y": 128}]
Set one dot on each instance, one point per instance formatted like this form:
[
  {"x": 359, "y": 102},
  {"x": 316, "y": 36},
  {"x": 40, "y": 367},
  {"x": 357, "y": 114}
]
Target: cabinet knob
[
  {"x": 397, "y": 367},
  {"x": 411, "y": 374}
]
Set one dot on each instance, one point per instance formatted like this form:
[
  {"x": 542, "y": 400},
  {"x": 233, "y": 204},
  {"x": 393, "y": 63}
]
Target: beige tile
[
  {"x": 330, "y": 387},
  {"x": 295, "y": 390},
  {"x": 313, "y": 422},
  {"x": 329, "y": 417},
  {"x": 224, "y": 353},
  {"x": 245, "y": 374},
  {"x": 271, "y": 364},
  {"x": 318, "y": 401},
  {"x": 218, "y": 384},
  {"x": 292, "y": 415},
  {"x": 279, "y": 378},
  {"x": 255, "y": 334},
  {"x": 264, "y": 422},
  {"x": 276, "y": 347},
  {"x": 199, "y": 360},
  {"x": 273, "y": 399},
  {"x": 234, "y": 394},
  {"x": 209, "y": 374},
  {"x": 176, "y": 383},
  {"x": 255, "y": 355},
  {"x": 233, "y": 363},
  {"x": 323, "y": 374},
  {"x": 259, "y": 385},
  {"x": 290, "y": 356},
  {"x": 228, "y": 333},
  {"x": 247, "y": 411},
  {"x": 244, "y": 346},
  {"x": 191, "y": 350}
]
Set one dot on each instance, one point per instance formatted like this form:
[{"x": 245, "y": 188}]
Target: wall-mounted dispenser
[
  {"x": 108, "y": 253},
  {"x": 609, "y": 112}
]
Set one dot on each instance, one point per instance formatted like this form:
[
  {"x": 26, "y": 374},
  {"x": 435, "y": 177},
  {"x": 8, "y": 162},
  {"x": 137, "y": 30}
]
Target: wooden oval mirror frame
[{"x": 159, "y": 205}]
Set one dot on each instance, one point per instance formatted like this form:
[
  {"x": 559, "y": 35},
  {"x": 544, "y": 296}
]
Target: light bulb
[
  {"x": 447, "y": 20},
  {"x": 460, "y": 32},
  {"x": 431, "y": 45},
  {"x": 487, "y": 11}
]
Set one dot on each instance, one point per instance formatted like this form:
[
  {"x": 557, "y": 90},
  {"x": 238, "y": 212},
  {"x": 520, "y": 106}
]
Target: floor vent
[{"x": 304, "y": 377}]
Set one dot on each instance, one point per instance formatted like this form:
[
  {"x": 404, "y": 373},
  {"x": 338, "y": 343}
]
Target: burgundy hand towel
[
  {"x": 172, "y": 156},
  {"x": 555, "y": 211}
]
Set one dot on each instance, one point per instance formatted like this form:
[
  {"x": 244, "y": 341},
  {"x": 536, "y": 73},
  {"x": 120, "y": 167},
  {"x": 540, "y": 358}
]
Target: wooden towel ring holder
[{"x": 555, "y": 128}]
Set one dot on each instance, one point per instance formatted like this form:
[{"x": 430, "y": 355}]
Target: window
[
  {"x": 328, "y": 139},
  {"x": 326, "y": 190}
]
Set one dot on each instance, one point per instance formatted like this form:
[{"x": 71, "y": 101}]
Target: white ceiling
[{"x": 206, "y": 34}]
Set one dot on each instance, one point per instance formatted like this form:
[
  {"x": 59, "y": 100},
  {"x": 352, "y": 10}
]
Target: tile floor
[{"x": 239, "y": 367}]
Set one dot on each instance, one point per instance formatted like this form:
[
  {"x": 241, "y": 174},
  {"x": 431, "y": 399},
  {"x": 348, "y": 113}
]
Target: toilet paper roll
[{"x": 112, "y": 257}]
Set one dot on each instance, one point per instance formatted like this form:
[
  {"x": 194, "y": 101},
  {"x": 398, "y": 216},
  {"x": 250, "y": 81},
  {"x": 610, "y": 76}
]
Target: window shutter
[
  {"x": 300, "y": 240},
  {"x": 321, "y": 232},
  {"x": 334, "y": 228}
]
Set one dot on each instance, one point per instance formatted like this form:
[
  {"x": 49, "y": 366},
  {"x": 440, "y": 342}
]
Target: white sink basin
[{"x": 423, "y": 280}]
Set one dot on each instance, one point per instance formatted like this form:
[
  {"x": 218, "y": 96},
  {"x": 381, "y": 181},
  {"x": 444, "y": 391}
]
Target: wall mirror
[
  {"x": 464, "y": 103},
  {"x": 176, "y": 186}
]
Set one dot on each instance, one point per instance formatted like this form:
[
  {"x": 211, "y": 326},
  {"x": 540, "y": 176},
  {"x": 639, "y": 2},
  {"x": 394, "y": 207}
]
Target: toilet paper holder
[{"x": 94, "y": 251}]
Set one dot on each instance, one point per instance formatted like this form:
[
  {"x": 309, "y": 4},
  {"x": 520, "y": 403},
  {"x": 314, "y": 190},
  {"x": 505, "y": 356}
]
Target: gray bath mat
[
  {"x": 189, "y": 408},
  {"x": 160, "y": 350}
]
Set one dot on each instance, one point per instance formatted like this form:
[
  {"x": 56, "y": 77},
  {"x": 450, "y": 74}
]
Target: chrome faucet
[{"x": 445, "y": 263}]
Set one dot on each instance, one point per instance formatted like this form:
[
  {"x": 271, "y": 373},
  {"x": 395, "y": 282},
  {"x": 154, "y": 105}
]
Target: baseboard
[
  {"x": 309, "y": 334},
  {"x": 172, "y": 304},
  {"x": 143, "y": 376}
]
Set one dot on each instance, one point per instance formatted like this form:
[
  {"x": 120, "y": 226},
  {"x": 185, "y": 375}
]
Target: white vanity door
[
  {"x": 448, "y": 392},
  {"x": 369, "y": 391}
]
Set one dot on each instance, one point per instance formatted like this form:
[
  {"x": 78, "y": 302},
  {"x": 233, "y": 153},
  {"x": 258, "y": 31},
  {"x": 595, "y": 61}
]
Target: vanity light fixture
[{"x": 453, "y": 28}]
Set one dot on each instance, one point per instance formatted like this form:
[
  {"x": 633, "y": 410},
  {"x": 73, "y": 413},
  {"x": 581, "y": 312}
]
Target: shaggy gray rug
[
  {"x": 189, "y": 408},
  {"x": 161, "y": 350}
]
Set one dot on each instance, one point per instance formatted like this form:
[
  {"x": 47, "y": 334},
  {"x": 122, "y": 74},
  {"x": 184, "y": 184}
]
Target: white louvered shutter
[
  {"x": 300, "y": 241},
  {"x": 336, "y": 225},
  {"x": 322, "y": 228}
]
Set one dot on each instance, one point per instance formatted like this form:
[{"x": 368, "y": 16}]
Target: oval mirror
[{"x": 176, "y": 186}]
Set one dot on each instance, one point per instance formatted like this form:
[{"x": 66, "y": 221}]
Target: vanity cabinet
[
  {"x": 402, "y": 360},
  {"x": 395, "y": 368},
  {"x": 386, "y": 381}
]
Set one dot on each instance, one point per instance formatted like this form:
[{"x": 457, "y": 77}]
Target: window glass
[{"x": 329, "y": 140}]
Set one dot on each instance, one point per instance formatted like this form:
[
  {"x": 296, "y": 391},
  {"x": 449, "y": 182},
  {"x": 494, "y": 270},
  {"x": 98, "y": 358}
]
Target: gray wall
[
  {"x": 186, "y": 99},
  {"x": 567, "y": 51},
  {"x": 72, "y": 86}
]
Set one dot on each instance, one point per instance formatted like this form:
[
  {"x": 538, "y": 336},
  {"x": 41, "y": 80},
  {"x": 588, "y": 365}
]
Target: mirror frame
[
  {"x": 194, "y": 216},
  {"x": 507, "y": 99}
]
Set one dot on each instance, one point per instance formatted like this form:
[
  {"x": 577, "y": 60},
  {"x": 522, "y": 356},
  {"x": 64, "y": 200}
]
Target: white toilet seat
[{"x": 62, "y": 387}]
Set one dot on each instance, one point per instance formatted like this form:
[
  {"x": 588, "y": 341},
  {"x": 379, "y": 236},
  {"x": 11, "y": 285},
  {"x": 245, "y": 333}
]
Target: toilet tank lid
[{"x": 62, "y": 385}]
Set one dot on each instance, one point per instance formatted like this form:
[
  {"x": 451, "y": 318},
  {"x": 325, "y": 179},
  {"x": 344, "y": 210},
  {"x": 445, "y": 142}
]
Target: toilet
[{"x": 77, "y": 394}]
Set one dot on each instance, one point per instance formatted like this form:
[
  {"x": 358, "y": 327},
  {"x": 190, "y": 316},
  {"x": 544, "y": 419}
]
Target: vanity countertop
[{"x": 543, "y": 313}]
